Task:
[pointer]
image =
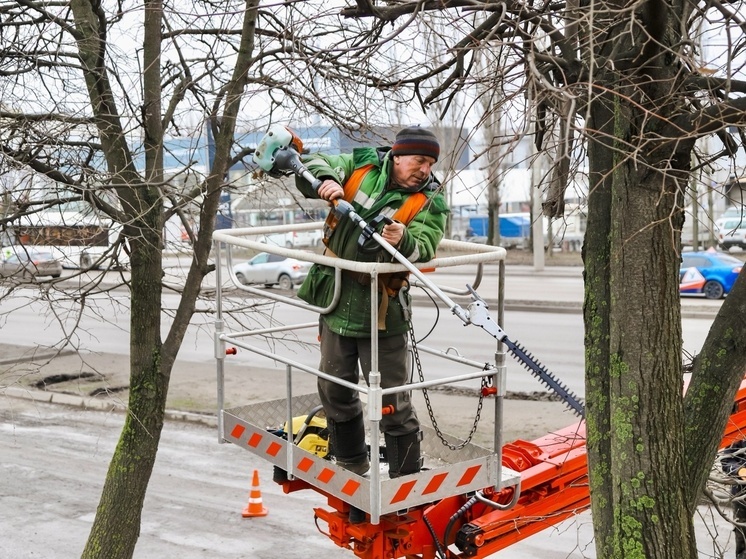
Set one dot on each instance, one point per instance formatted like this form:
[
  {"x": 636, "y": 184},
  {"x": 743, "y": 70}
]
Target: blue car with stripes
[{"x": 709, "y": 273}]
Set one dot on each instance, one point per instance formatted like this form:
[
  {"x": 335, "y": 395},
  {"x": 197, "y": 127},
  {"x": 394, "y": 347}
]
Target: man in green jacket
[{"x": 387, "y": 178}]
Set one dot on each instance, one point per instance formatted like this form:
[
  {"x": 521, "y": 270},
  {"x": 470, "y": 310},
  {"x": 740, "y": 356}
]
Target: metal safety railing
[{"x": 473, "y": 468}]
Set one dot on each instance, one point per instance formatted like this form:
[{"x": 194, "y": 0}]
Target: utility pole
[
  {"x": 537, "y": 229},
  {"x": 694, "y": 198}
]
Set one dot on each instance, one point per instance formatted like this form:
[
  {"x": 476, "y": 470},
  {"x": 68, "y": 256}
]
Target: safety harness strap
[{"x": 351, "y": 186}]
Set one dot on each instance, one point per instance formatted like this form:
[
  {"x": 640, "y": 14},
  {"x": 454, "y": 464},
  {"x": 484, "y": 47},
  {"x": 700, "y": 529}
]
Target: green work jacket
[{"x": 352, "y": 316}]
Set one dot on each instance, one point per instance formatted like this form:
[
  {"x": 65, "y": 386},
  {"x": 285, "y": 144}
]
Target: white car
[
  {"x": 734, "y": 211},
  {"x": 731, "y": 232},
  {"x": 271, "y": 269},
  {"x": 737, "y": 213},
  {"x": 293, "y": 239}
]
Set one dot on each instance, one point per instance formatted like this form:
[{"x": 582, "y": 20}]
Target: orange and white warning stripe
[{"x": 426, "y": 486}]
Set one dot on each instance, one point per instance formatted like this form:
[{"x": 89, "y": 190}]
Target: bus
[{"x": 78, "y": 238}]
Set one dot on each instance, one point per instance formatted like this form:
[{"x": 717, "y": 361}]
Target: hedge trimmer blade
[
  {"x": 478, "y": 316},
  {"x": 540, "y": 372}
]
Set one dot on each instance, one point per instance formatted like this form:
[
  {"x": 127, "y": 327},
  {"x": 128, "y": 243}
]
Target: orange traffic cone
[{"x": 255, "y": 507}]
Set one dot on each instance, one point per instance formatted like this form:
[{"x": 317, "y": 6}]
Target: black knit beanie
[{"x": 416, "y": 141}]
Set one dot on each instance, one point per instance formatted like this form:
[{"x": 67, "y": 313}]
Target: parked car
[
  {"x": 731, "y": 232},
  {"x": 734, "y": 211},
  {"x": 27, "y": 262},
  {"x": 731, "y": 214},
  {"x": 271, "y": 269},
  {"x": 294, "y": 239},
  {"x": 710, "y": 273}
]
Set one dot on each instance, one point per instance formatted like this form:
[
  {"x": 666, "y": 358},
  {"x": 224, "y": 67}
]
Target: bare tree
[
  {"x": 93, "y": 96},
  {"x": 93, "y": 103}
]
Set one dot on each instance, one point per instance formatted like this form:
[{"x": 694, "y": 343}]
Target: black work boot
[
  {"x": 403, "y": 453},
  {"x": 347, "y": 444}
]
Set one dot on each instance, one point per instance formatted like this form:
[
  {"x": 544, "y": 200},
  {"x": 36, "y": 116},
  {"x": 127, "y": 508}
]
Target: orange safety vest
[
  {"x": 405, "y": 214},
  {"x": 389, "y": 283}
]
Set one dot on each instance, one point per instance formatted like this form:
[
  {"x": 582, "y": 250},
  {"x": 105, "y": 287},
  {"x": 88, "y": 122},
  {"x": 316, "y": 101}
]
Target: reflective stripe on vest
[{"x": 406, "y": 212}]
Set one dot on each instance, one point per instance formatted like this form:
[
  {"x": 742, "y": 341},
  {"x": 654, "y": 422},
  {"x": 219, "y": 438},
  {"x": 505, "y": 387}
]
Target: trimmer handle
[{"x": 366, "y": 244}]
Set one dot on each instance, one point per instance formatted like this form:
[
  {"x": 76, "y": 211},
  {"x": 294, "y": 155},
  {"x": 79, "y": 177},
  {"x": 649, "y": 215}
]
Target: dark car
[
  {"x": 26, "y": 262},
  {"x": 708, "y": 273},
  {"x": 272, "y": 269}
]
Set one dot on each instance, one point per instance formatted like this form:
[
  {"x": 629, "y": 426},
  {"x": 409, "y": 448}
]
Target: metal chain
[{"x": 485, "y": 383}]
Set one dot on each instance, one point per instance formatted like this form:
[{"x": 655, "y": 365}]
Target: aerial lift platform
[
  {"x": 466, "y": 468},
  {"x": 469, "y": 501},
  {"x": 462, "y": 485}
]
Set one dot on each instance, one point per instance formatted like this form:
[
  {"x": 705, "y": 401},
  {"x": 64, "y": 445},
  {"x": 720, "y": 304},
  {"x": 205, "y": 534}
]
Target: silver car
[
  {"x": 732, "y": 232},
  {"x": 27, "y": 262},
  {"x": 272, "y": 269}
]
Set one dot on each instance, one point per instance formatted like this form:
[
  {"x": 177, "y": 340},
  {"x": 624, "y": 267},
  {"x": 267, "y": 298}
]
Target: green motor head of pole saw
[{"x": 277, "y": 139}]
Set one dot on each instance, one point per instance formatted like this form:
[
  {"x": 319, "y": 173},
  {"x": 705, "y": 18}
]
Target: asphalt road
[
  {"x": 54, "y": 461},
  {"x": 535, "y": 317}
]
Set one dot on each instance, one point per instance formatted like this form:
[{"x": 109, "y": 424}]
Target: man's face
[{"x": 410, "y": 171}]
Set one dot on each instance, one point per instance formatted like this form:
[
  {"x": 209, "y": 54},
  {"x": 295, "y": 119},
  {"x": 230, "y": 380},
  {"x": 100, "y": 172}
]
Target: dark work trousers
[
  {"x": 339, "y": 358},
  {"x": 739, "y": 516}
]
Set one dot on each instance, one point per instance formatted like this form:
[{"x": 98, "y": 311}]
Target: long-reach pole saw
[{"x": 278, "y": 153}]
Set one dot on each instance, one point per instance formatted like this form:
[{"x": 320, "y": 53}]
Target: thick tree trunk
[
  {"x": 117, "y": 524},
  {"x": 634, "y": 369},
  {"x": 596, "y": 319},
  {"x": 645, "y": 370}
]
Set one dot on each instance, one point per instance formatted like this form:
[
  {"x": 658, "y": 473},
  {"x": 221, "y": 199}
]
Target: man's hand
[
  {"x": 393, "y": 232},
  {"x": 330, "y": 190}
]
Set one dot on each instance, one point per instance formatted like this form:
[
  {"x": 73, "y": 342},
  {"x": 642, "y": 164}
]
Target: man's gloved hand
[
  {"x": 393, "y": 232},
  {"x": 330, "y": 190}
]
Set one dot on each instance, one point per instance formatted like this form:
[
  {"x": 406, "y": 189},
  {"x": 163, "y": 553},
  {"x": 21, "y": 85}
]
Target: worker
[
  {"x": 376, "y": 181},
  {"x": 733, "y": 463}
]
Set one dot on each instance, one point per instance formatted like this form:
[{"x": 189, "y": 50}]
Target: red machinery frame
[{"x": 553, "y": 487}]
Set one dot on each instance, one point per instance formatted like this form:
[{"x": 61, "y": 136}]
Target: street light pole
[{"x": 537, "y": 224}]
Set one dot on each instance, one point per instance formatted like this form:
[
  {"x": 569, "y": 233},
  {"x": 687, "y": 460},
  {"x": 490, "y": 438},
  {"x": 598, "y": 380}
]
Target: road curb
[
  {"x": 567, "y": 307},
  {"x": 98, "y": 404},
  {"x": 34, "y": 356},
  {"x": 564, "y": 307}
]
